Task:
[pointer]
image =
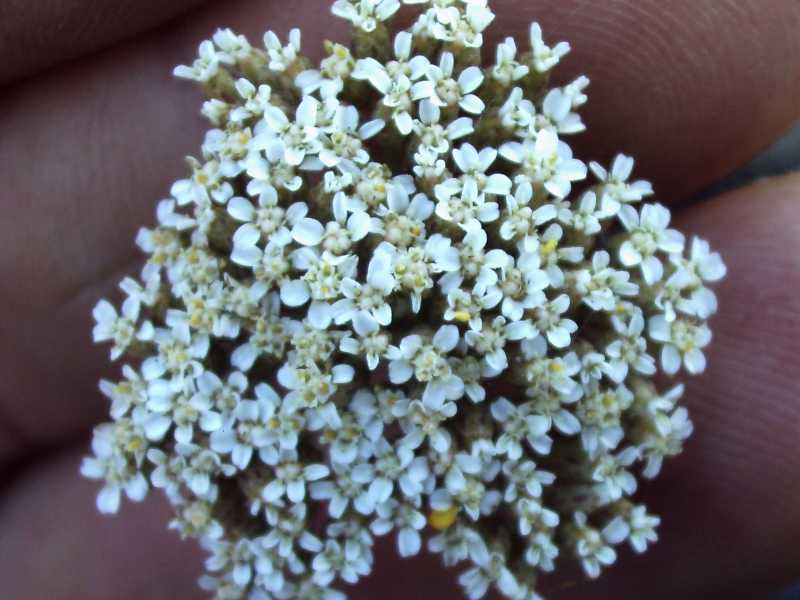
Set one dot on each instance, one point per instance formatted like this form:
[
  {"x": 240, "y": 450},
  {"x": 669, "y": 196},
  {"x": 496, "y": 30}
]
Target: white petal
[
  {"x": 472, "y": 104},
  {"x": 295, "y": 293},
  {"x": 371, "y": 128},
  {"x": 108, "y": 500},
  {"x": 408, "y": 542},
  {"x": 446, "y": 338},
  {"x": 470, "y": 79},
  {"x": 695, "y": 361},
  {"x": 308, "y": 232},
  {"x": 670, "y": 359},
  {"x": 359, "y": 224},
  {"x": 240, "y": 208},
  {"x": 400, "y": 371},
  {"x": 342, "y": 374}
]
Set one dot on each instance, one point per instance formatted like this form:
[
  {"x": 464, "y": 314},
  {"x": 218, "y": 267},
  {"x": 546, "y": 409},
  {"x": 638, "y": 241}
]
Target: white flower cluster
[{"x": 388, "y": 299}]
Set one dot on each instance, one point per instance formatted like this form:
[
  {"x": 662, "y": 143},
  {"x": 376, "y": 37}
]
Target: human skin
[{"x": 692, "y": 89}]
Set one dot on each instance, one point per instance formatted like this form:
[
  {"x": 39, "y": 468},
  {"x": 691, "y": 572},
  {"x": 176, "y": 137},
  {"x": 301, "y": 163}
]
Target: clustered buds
[{"x": 388, "y": 299}]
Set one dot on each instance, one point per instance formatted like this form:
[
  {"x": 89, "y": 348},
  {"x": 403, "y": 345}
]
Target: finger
[
  {"x": 56, "y": 546},
  {"x": 37, "y": 35},
  {"x": 729, "y": 503},
  {"x": 137, "y": 128}
]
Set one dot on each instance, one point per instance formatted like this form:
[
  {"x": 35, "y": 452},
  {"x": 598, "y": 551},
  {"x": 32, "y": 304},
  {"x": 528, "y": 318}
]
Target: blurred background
[{"x": 781, "y": 158}]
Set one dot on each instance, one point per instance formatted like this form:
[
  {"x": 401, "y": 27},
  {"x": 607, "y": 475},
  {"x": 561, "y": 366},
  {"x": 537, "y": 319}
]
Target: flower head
[{"x": 385, "y": 301}]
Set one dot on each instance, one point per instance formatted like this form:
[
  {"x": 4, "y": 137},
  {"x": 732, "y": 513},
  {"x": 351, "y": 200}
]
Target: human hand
[{"x": 88, "y": 147}]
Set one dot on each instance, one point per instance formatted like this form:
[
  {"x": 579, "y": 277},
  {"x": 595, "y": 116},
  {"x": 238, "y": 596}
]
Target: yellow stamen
[
  {"x": 549, "y": 247},
  {"x": 461, "y": 316},
  {"x": 443, "y": 519}
]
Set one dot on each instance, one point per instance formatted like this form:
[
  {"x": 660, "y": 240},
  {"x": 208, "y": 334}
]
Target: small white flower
[
  {"x": 615, "y": 190},
  {"x": 521, "y": 283},
  {"x": 311, "y": 388},
  {"x": 368, "y": 300},
  {"x": 525, "y": 479},
  {"x": 549, "y": 322},
  {"x": 586, "y": 218},
  {"x": 122, "y": 329},
  {"x": 648, "y": 234},
  {"x": 519, "y": 425},
  {"x": 233, "y": 45},
  {"x": 444, "y": 91},
  {"x": 348, "y": 485},
  {"x": 395, "y": 465},
  {"x": 629, "y": 350},
  {"x": 408, "y": 521},
  {"x": 547, "y": 161},
  {"x": 205, "y": 67},
  {"x": 268, "y": 218},
  {"x": 365, "y": 14},
  {"x": 682, "y": 342},
  {"x": 614, "y": 480},
  {"x": 518, "y": 114},
  {"x": 474, "y": 167},
  {"x": 672, "y": 430},
  {"x": 351, "y": 224},
  {"x": 395, "y": 80},
  {"x": 183, "y": 408},
  {"x": 432, "y": 135},
  {"x": 347, "y": 562},
  {"x": 545, "y": 58},
  {"x": 426, "y": 361},
  {"x": 638, "y": 527},
  {"x": 557, "y": 113},
  {"x": 402, "y": 218},
  {"x": 491, "y": 569},
  {"x": 507, "y": 69},
  {"x": 296, "y": 140},
  {"x": 706, "y": 264},
  {"x": 413, "y": 269},
  {"x": 345, "y": 139},
  {"x": 601, "y": 286},
  {"x": 468, "y": 260},
  {"x": 256, "y": 100},
  {"x": 244, "y": 433},
  {"x": 490, "y": 338},
  {"x": 282, "y": 57},
  {"x": 290, "y": 477},
  {"x": 372, "y": 341},
  {"x": 520, "y": 219},
  {"x": 206, "y": 183},
  {"x": 114, "y": 468},
  {"x": 423, "y": 423},
  {"x": 268, "y": 170},
  {"x": 461, "y": 203},
  {"x": 591, "y": 548}
]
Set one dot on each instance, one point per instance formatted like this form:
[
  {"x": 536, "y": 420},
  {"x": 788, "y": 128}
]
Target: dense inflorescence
[{"x": 388, "y": 299}]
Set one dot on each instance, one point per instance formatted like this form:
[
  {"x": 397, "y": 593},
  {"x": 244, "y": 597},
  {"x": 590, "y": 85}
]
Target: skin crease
[
  {"x": 38, "y": 34},
  {"x": 90, "y": 146}
]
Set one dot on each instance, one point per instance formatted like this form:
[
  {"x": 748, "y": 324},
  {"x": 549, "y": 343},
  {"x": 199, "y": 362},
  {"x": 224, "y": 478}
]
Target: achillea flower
[{"x": 323, "y": 347}]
